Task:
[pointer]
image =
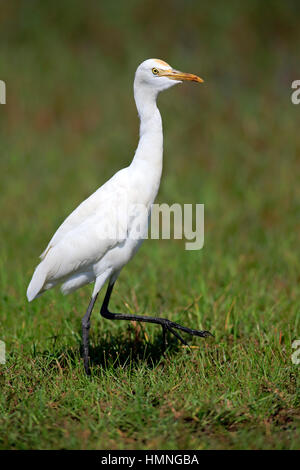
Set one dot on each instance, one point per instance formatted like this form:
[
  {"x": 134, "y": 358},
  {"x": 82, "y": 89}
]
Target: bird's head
[{"x": 157, "y": 75}]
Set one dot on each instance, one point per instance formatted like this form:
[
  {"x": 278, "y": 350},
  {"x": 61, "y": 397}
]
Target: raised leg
[
  {"x": 85, "y": 333},
  {"x": 165, "y": 323}
]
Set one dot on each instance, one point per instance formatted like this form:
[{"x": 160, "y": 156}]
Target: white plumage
[
  {"x": 79, "y": 252},
  {"x": 100, "y": 236}
]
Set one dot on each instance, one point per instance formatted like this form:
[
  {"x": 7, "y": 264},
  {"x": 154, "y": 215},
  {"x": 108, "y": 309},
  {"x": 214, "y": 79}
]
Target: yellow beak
[{"x": 176, "y": 75}]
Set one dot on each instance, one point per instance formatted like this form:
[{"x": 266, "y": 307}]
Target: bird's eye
[{"x": 155, "y": 71}]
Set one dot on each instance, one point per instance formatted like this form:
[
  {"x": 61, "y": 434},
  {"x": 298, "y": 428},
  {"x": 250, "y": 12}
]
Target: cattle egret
[{"x": 81, "y": 251}]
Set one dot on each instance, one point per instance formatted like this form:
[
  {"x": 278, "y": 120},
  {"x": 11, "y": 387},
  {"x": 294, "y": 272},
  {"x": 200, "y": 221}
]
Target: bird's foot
[{"x": 168, "y": 325}]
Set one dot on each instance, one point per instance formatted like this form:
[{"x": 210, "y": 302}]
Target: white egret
[{"x": 81, "y": 251}]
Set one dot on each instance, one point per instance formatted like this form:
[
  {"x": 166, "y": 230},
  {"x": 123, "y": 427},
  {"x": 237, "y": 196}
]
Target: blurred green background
[
  {"x": 70, "y": 120},
  {"x": 232, "y": 143}
]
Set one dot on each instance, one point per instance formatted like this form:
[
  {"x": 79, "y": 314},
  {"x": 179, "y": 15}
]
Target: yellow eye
[{"x": 155, "y": 71}]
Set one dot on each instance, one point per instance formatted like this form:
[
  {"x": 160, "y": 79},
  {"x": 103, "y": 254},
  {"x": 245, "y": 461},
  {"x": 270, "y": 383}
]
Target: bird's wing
[
  {"x": 106, "y": 197},
  {"x": 100, "y": 223},
  {"x": 81, "y": 248}
]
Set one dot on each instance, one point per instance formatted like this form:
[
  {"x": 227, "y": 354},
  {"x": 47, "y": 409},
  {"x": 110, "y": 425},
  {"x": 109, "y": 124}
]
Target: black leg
[
  {"x": 85, "y": 334},
  {"x": 165, "y": 323}
]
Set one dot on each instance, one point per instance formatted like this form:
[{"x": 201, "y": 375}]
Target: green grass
[{"x": 232, "y": 144}]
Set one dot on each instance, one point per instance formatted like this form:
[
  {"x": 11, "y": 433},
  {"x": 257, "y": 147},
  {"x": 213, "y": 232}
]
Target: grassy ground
[{"x": 233, "y": 144}]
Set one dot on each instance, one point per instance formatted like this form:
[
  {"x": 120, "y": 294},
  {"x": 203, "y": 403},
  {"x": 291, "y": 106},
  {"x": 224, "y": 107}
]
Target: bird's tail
[{"x": 37, "y": 282}]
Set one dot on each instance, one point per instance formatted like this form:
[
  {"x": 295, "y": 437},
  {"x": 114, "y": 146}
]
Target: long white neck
[{"x": 150, "y": 147}]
